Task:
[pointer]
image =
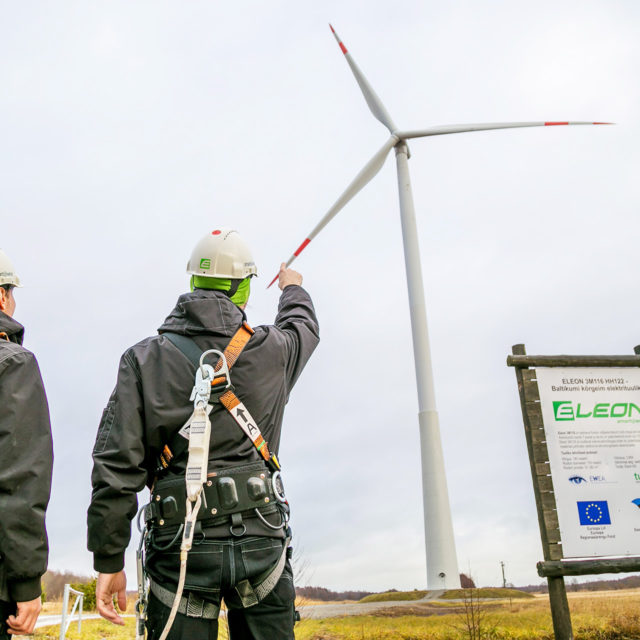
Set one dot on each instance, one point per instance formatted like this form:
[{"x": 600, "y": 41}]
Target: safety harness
[
  {"x": 227, "y": 494},
  {"x": 225, "y": 396}
]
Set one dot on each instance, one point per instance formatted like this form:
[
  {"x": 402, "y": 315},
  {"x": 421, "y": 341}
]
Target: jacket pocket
[
  {"x": 108, "y": 416},
  {"x": 204, "y": 567},
  {"x": 258, "y": 556}
]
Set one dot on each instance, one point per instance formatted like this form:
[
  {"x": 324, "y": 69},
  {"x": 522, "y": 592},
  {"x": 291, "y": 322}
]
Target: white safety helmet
[
  {"x": 8, "y": 274},
  {"x": 222, "y": 254}
]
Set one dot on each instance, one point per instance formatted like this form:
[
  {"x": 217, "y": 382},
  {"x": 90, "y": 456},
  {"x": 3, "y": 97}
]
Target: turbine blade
[
  {"x": 374, "y": 102},
  {"x": 462, "y": 128},
  {"x": 368, "y": 172}
]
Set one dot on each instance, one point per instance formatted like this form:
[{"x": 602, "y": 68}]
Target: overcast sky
[{"x": 130, "y": 129}]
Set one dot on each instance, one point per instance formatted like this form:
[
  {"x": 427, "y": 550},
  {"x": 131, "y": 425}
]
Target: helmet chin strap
[{"x": 235, "y": 283}]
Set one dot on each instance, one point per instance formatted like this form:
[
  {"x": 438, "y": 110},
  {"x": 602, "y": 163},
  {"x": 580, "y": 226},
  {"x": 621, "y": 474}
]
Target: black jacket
[
  {"x": 26, "y": 461},
  {"x": 150, "y": 404}
]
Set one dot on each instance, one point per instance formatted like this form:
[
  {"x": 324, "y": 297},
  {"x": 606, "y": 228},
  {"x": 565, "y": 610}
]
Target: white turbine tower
[{"x": 442, "y": 564}]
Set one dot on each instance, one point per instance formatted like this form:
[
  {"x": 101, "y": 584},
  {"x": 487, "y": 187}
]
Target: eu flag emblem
[{"x": 594, "y": 512}]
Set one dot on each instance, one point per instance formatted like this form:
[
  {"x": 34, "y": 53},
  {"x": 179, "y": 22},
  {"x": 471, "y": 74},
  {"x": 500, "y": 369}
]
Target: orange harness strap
[
  {"x": 233, "y": 404},
  {"x": 235, "y": 347}
]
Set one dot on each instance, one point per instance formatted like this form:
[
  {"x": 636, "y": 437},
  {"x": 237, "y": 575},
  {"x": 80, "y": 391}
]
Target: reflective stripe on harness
[
  {"x": 228, "y": 398},
  {"x": 191, "y": 605}
]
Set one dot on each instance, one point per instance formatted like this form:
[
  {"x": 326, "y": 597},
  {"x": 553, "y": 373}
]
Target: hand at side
[
  {"x": 107, "y": 585},
  {"x": 26, "y": 616}
]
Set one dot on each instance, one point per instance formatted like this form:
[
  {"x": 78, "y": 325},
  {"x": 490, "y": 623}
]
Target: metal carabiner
[
  {"x": 201, "y": 391},
  {"x": 205, "y": 374},
  {"x": 224, "y": 366}
]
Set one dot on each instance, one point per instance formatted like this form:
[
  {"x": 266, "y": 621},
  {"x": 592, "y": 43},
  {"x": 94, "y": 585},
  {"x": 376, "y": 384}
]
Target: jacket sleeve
[
  {"x": 118, "y": 470},
  {"x": 26, "y": 461},
  {"x": 297, "y": 321}
]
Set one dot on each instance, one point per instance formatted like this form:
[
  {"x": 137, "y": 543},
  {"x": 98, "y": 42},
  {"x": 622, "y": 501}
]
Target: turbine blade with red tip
[
  {"x": 374, "y": 102},
  {"x": 369, "y": 171},
  {"x": 462, "y": 128}
]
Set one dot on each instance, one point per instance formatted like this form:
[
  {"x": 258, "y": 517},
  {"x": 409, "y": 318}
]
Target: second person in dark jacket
[{"x": 26, "y": 460}]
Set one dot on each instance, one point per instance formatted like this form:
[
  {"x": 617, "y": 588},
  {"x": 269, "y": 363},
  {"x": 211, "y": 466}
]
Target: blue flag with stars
[{"x": 594, "y": 512}]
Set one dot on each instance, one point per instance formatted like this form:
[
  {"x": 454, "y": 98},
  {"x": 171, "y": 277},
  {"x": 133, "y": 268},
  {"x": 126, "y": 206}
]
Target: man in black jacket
[
  {"x": 26, "y": 460},
  {"x": 140, "y": 443}
]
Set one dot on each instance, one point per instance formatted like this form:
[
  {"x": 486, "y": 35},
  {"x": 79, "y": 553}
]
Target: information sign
[{"x": 592, "y": 425}]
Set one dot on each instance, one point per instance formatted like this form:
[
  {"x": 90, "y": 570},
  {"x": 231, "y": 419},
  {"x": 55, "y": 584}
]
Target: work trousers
[
  {"x": 214, "y": 568},
  {"x": 6, "y": 609}
]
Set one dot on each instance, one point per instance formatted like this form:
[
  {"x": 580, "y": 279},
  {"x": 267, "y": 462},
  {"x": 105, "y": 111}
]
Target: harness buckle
[{"x": 218, "y": 391}]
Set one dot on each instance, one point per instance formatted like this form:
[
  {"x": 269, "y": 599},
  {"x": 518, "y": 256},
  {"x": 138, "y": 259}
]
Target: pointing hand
[{"x": 288, "y": 276}]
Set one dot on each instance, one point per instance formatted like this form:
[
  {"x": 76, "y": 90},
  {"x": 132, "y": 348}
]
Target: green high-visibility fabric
[{"x": 240, "y": 297}]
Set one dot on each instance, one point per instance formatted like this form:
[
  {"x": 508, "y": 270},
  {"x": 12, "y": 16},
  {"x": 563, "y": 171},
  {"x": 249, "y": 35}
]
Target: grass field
[{"x": 611, "y": 615}]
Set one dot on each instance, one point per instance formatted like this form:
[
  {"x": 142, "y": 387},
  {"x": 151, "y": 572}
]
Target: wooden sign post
[{"x": 555, "y": 565}]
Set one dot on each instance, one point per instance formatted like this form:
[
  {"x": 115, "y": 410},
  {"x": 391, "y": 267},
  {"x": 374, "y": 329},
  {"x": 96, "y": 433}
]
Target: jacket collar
[
  {"x": 13, "y": 330},
  {"x": 204, "y": 312}
]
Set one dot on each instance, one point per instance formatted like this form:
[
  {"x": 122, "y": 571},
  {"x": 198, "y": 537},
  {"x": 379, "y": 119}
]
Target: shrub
[{"x": 89, "y": 590}]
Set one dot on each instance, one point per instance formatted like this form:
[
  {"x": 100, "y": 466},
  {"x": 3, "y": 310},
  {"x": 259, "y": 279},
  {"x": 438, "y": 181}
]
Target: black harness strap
[
  {"x": 186, "y": 346},
  {"x": 178, "y": 445}
]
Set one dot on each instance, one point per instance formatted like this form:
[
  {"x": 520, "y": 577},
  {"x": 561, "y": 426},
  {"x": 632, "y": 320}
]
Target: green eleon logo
[
  {"x": 564, "y": 410},
  {"x": 205, "y": 263}
]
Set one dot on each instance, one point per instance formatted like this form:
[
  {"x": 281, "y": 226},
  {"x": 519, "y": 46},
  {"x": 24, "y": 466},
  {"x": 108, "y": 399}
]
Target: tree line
[{"x": 572, "y": 584}]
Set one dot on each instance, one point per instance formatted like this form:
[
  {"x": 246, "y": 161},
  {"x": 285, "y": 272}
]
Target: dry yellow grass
[
  {"x": 51, "y": 608},
  {"x": 611, "y": 615},
  {"x": 595, "y": 617}
]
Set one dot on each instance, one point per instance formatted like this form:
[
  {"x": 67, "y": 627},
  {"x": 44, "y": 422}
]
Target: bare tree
[{"x": 471, "y": 621}]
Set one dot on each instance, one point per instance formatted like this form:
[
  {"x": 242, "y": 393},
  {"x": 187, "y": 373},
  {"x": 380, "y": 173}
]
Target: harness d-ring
[
  {"x": 278, "y": 486},
  {"x": 243, "y": 530}
]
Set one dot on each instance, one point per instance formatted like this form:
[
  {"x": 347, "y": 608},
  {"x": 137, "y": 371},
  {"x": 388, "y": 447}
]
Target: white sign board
[{"x": 592, "y": 424}]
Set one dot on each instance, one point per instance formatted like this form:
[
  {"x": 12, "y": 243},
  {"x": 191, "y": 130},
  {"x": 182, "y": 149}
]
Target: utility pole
[{"x": 504, "y": 580}]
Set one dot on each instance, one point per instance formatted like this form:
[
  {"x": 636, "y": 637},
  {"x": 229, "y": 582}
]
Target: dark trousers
[
  {"x": 214, "y": 568},
  {"x": 6, "y": 609}
]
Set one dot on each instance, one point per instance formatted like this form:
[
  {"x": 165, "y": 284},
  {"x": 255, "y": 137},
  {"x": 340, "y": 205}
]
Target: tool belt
[{"x": 227, "y": 495}]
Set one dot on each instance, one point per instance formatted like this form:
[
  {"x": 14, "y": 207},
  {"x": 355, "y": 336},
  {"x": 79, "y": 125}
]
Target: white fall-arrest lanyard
[{"x": 195, "y": 477}]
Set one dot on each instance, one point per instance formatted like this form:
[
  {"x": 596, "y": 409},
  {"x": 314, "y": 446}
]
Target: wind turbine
[{"x": 442, "y": 564}]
